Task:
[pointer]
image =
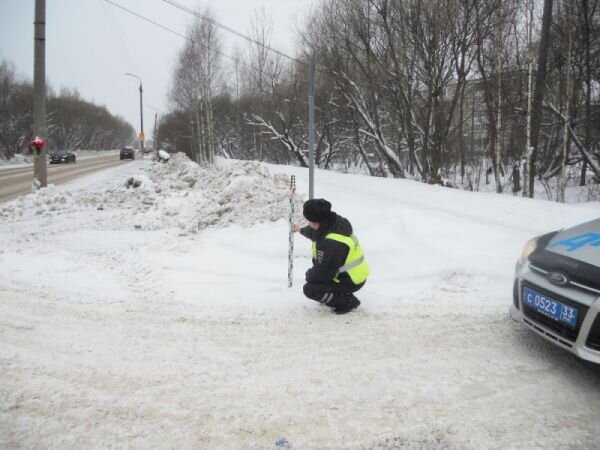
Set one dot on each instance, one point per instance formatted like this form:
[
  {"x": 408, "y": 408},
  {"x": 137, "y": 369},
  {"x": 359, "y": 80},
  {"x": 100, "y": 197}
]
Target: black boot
[{"x": 350, "y": 303}]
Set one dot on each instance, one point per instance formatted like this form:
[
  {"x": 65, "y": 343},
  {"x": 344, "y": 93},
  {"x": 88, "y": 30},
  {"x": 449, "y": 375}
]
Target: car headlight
[{"x": 528, "y": 249}]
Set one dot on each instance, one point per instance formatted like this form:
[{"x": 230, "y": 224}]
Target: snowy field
[{"x": 159, "y": 316}]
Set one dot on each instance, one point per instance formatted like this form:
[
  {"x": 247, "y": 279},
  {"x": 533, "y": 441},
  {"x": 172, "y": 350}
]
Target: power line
[
  {"x": 232, "y": 31},
  {"x": 120, "y": 41},
  {"x": 153, "y": 22},
  {"x": 236, "y": 60}
]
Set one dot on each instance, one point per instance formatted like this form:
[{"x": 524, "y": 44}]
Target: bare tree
[
  {"x": 72, "y": 122},
  {"x": 588, "y": 10},
  {"x": 263, "y": 72},
  {"x": 401, "y": 82},
  {"x": 15, "y": 111},
  {"x": 528, "y": 149},
  {"x": 562, "y": 181},
  {"x": 197, "y": 74}
]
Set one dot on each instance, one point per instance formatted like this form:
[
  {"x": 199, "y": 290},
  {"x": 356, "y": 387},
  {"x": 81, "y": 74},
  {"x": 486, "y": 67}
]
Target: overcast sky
[{"x": 90, "y": 44}]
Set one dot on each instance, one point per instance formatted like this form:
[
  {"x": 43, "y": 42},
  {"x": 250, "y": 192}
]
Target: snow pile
[
  {"x": 43, "y": 202},
  {"x": 175, "y": 194},
  {"x": 192, "y": 197}
]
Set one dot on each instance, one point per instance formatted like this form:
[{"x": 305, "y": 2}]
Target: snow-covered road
[
  {"x": 15, "y": 181},
  {"x": 160, "y": 317}
]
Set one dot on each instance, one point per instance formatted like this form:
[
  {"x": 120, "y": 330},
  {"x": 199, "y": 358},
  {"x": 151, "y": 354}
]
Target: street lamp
[{"x": 141, "y": 113}]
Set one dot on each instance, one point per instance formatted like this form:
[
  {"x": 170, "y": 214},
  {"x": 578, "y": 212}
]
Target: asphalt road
[{"x": 18, "y": 181}]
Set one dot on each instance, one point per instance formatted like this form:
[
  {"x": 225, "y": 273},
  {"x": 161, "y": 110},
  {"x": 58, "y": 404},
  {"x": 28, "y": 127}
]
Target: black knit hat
[{"x": 317, "y": 210}]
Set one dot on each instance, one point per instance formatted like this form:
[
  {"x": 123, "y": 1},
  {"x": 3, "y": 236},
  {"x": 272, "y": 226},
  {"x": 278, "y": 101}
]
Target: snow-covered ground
[{"x": 159, "y": 316}]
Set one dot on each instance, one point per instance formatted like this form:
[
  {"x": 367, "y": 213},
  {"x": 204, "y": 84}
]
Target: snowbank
[{"x": 176, "y": 194}]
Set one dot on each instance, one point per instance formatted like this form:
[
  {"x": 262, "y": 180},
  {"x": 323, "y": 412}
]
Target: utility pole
[
  {"x": 311, "y": 129},
  {"x": 40, "y": 171},
  {"x": 141, "y": 113},
  {"x": 154, "y": 138},
  {"x": 142, "y": 137}
]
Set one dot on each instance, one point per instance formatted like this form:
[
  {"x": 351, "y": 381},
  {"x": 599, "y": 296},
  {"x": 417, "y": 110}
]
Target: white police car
[{"x": 556, "y": 292}]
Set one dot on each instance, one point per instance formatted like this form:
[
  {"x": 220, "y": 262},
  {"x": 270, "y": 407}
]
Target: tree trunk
[
  {"x": 540, "y": 80},
  {"x": 562, "y": 180},
  {"x": 528, "y": 149},
  {"x": 211, "y": 131},
  {"x": 588, "y": 87},
  {"x": 498, "y": 152},
  {"x": 516, "y": 176}
]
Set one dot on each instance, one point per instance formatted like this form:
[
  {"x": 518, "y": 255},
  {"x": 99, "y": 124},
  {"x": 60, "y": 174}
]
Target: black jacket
[{"x": 331, "y": 255}]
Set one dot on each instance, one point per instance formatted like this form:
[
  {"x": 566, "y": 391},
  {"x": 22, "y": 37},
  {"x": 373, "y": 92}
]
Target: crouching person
[{"x": 339, "y": 265}]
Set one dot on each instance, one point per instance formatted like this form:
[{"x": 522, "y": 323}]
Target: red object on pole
[{"x": 38, "y": 143}]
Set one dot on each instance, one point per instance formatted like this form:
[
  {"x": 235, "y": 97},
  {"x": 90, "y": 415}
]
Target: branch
[
  {"x": 284, "y": 138},
  {"x": 587, "y": 156}
]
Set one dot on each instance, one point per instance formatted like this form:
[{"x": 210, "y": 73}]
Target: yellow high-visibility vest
[{"x": 355, "y": 265}]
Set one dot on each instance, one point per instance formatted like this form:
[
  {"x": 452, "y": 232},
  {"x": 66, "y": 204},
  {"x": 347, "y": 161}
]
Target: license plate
[{"x": 550, "y": 307}]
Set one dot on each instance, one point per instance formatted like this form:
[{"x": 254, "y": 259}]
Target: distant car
[
  {"x": 127, "y": 153},
  {"x": 556, "y": 291},
  {"x": 62, "y": 156}
]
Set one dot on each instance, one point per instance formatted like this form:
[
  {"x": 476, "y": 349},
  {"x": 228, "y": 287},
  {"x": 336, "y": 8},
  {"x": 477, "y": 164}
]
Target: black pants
[{"x": 331, "y": 294}]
